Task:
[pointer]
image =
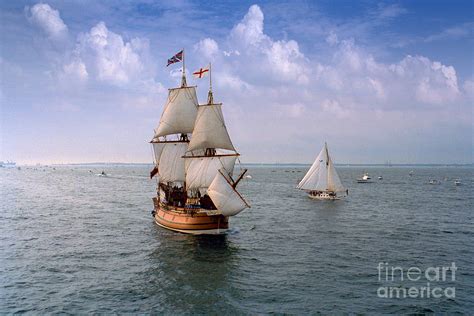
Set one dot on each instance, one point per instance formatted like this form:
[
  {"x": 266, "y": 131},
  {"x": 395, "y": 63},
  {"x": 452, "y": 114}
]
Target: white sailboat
[{"x": 322, "y": 181}]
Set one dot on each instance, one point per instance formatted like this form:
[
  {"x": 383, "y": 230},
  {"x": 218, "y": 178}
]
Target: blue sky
[{"x": 85, "y": 81}]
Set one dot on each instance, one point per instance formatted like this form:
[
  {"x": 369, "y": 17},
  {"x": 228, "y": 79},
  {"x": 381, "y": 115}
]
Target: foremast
[{"x": 171, "y": 139}]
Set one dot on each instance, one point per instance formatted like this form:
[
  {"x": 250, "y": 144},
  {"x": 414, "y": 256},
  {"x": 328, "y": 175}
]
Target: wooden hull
[{"x": 189, "y": 221}]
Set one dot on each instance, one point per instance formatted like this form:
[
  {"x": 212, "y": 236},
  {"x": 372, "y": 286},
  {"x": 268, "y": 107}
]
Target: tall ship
[
  {"x": 322, "y": 181},
  {"x": 194, "y": 163}
]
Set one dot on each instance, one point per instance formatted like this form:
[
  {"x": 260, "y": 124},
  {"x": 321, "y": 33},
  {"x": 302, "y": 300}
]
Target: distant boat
[
  {"x": 434, "y": 181},
  {"x": 457, "y": 182},
  {"x": 8, "y": 164},
  {"x": 365, "y": 179},
  {"x": 380, "y": 178},
  {"x": 102, "y": 174},
  {"x": 322, "y": 181},
  {"x": 410, "y": 173}
]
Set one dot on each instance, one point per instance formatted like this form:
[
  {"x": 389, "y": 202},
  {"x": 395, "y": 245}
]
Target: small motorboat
[
  {"x": 365, "y": 179},
  {"x": 434, "y": 181},
  {"x": 411, "y": 173},
  {"x": 457, "y": 182},
  {"x": 380, "y": 178}
]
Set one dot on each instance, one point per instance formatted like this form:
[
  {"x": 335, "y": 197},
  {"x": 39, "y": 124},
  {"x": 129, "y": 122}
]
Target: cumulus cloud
[
  {"x": 108, "y": 57},
  {"x": 274, "y": 81},
  {"x": 250, "y": 30},
  {"x": 207, "y": 47},
  {"x": 76, "y": 69},
  {"x": 353, "y": 79},
  {"x": 48, "y": 19}
]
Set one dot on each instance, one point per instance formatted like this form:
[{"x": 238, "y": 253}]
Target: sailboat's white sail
[
  {"x": 322, "y": 175},
  {"x": 171, "y": 167},
  {"x": 334, "y": 182},
  {"x": 224, "y": 196},
  {"x": 200, "y": 171},
  {"x": 316, "y": 177},
  {"x": 180, "y": 112},
  {"x": 210, "y": 130}
]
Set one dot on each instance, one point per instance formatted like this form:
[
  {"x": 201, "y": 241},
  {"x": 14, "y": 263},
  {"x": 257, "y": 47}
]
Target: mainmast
[
  {"x": 183, "y": 76},
  {"x": 209, "y": 135}
]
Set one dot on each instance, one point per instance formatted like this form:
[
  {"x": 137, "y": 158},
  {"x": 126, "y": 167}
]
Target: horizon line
[{"x": 262, "y": 163}]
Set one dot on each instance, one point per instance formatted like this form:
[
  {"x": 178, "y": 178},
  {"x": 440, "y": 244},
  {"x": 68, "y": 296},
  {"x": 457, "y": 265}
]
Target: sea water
[{"x": 76, "y": 242}]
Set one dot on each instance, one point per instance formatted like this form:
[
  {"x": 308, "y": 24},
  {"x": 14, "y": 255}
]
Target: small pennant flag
[
  {"x": 202, "y": 72},
  {"x": 175, "y": 59}
]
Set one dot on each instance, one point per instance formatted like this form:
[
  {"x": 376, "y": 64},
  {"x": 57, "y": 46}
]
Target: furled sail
[
  {"x": 224, "y": 196},
  {"x": 210, "y": 130},
  {"x": 180, "y": 112},
  {"x": 171, "y": 166},
  {"x": 322, "y": 175},
  {"x": 200, "y": 171}
]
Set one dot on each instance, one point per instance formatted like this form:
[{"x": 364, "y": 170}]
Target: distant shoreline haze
[{"x": 283, "y": 164}]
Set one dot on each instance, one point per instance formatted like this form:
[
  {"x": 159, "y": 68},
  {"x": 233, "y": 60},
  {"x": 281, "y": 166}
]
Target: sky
[{"x": 86, "y": 81}]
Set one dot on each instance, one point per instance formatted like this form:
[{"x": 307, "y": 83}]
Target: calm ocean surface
[{"x": 74, "y": 242}]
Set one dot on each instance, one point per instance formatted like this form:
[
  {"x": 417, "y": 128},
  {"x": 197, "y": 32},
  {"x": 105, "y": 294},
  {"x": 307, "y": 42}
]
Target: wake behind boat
[
  {"x": 322, "y": 181},
  {"x": 194, "y": 160}
]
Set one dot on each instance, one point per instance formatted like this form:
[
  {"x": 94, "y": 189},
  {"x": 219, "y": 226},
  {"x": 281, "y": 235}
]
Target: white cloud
[
  {"x": 207, "y": 48},
  {"x": 48, "y": 19},
  {"x": 250, "y": 30},
  {"x": 109, "y": 58},
  {"x": 468, "y": 87},
  {"x": 276, "y": 69},
  {"x": 76, "y": 70},
  {"x": 388, "y": 11},
  {"x": 349, "y": 95},
  {"x": 454, "y": 32}
]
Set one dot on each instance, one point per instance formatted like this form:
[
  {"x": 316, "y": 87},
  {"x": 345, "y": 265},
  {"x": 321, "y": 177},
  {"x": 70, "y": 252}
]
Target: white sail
[
  {"x": 200, "y": 171},
  {"x": 180, "y": 112},
  {"x": 210, "y": 130},
  {"x": 224, "y": 196},
  {"x": 322, "y": 175},
  {"x": 157, "y": 150},
  {"x": 171, "y": 166},
  {"x": 334, "y": 182}
]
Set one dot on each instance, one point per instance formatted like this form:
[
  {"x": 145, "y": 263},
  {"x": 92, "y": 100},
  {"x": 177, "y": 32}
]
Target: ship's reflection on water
[
  {"x": 204, "y": 267},
  {"x": 211, "y": 242}
]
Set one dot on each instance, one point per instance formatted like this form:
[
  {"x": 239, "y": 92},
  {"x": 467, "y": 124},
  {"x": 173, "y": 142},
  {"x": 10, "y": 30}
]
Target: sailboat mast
[
  {"x": 327, "y": 165},
  {"x": 327, "y": 153},
  {"x": 210, "y": 98},
  {"x": 183, "y": 78}
]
